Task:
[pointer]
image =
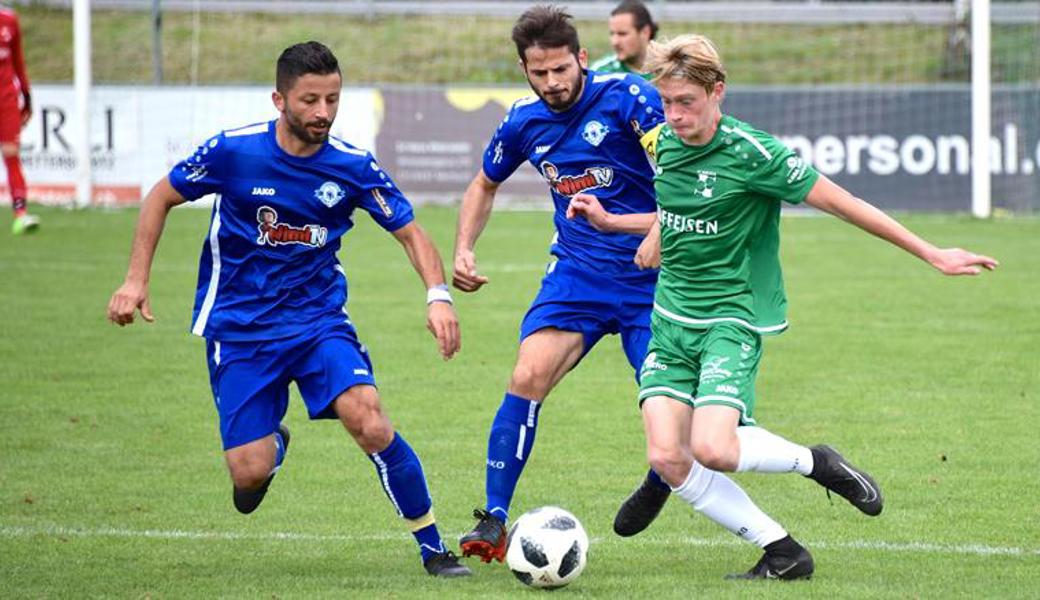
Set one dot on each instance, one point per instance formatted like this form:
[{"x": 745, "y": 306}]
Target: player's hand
[
  {"x": 955, "y": 261},
  {"x": 588, "y": 206},
  {"x": 130, "y": 297},
  {"x": 648, "y": 255},
  {"x": 466, "y": 277},
  {"x": 444, "y": 325}
]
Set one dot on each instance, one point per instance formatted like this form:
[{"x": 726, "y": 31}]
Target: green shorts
[{"x": 701, "y": 367}]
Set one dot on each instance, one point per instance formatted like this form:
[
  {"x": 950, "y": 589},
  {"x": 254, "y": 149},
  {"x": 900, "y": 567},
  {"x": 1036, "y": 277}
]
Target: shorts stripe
[
  {"x": 702, "y": 322},
  {"x": 736, "y": 403},
  {"x": 663, "y": 389}
]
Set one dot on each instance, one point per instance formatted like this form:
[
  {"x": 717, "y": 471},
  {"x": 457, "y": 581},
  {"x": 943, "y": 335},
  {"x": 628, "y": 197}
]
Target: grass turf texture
[
  {"x": 459, "y": 49},
  {"x": 112, "y": 481}
]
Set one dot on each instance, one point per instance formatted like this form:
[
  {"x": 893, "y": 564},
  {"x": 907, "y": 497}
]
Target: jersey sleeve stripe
[
  {"x": 247, "y": 130},
  {"x": 747, "y": 136}
]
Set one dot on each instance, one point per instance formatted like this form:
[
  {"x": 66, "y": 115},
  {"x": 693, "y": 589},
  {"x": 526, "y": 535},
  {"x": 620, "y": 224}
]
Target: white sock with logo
[
  {"x": 720, "y": 499},
  {"x": 765, "y": 452}
]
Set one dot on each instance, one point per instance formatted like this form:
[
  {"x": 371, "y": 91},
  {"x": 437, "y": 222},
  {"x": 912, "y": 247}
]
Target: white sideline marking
[{"x": 913, "y": 547}]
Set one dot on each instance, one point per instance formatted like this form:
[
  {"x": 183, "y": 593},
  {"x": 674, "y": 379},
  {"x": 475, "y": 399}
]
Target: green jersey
[
  {"x": 718, "y": 206},
  {"x": 611, "y": 64}
]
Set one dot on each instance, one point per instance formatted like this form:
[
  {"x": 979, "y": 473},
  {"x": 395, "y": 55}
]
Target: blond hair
[{"x": 691, "y": 57}]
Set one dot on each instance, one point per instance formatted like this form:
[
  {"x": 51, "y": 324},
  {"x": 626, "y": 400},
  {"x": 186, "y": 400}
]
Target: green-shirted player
[
  {"x": 631, "y": 31},
  {"x": 719, "y": 186}
]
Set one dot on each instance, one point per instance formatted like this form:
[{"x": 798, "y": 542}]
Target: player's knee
[
  {"x": 362, "y": 414},
  {"x": 249, "y": 473},
  {"x": 9, "y": 150},
  {"x": 672, "y": 464},
  {"x": 529, "y": 381},
  {"x": 715, "y": 453}
]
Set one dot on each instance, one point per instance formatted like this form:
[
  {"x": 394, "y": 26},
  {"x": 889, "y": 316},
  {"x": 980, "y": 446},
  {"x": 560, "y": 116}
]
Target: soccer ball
[{"x": 547, "y": 547}]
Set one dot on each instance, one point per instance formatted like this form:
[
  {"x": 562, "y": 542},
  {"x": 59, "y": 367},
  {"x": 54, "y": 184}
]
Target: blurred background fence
[{"x": 877, "y": 94}]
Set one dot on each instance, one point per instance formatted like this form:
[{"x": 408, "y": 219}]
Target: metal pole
[
  {"x": 156, "y": 42},
  {"x": 981, "y": 203},
  {"x": 82, "y": 82}
]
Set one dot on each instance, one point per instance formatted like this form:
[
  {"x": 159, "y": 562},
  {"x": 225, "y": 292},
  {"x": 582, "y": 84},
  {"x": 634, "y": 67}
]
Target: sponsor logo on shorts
[
  {"x": 650, "y": 365},
  {"x": 713, "y": 371},
  {"x": 727, "y": 389},
  {"x": 263, "y": 191}
]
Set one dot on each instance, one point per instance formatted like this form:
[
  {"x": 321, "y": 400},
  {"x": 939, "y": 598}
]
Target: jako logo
[
  {"x": 496, "y": 464},
  {"x": 263, "y": 191}
]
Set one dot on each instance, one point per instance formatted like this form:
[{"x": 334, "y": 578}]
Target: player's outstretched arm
[
  {"x": 836, "y": 200},
  {"x": 648, "y": 255},
  {"x": 133, "y": 294},
  {"x": 473, "y": 216},
  {"x": 588, "y": 206},
  {"x": 440, "y": 314}
]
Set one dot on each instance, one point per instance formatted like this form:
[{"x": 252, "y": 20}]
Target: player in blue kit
[
  {"x": 271, "y": 294},
  {"x": 582, "y": 132}
]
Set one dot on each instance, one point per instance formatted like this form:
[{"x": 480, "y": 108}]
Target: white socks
[
  {"x": 765, "y": 452},
  {"x": 720, "y": 499}
]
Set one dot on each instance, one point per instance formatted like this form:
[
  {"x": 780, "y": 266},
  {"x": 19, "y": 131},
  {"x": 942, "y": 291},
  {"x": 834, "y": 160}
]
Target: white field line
[{"x": 14, "y": 531}]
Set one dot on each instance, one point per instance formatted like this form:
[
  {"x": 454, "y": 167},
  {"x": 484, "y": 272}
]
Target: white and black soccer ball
[{"x": 547, "y": 547}]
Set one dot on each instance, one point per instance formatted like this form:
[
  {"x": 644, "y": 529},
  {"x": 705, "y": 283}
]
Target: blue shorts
[
  {"x": 575, "y": 299},
  {"x": 250, "y": 380}
]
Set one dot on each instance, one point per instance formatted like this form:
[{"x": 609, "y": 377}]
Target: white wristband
[{"x": 438, "y": 293}]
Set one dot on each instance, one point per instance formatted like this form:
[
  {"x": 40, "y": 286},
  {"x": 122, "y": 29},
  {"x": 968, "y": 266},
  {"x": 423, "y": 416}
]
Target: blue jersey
[
  {"x": 268, "y": 268},
  {"x": 591, "y": 147}
]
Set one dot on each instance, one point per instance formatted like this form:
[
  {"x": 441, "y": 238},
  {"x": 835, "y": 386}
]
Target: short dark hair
[
  {"x": 640, "y": 14},
  {"x": 302, "y": 59},
  {"x": 545, "y": 26}
]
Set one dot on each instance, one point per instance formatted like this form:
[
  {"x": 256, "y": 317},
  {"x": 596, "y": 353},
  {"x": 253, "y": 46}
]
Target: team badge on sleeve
[{"x": 329, "y": 193}]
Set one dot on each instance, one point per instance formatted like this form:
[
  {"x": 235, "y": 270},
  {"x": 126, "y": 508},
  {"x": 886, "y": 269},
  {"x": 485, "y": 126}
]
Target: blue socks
[
  {"x": 655, "y": 479},
  {"x": 279, "y": 452},
  {"x": 509, "y": 445},
  {"x": 402, "y": 478}
]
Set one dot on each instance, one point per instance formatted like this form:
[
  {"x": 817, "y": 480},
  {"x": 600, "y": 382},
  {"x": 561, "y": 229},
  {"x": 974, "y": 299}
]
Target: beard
[
  {"x": 561, "y": 102},
  {"x": 299, "y": 129}
]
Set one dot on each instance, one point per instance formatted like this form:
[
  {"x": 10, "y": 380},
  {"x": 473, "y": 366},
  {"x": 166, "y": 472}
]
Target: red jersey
[{"x": 13, "y": 79}]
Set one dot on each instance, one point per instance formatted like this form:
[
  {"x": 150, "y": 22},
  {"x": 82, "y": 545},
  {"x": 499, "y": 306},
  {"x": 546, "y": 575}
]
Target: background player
[
  {"x": 581, "y": 131},
  {"x": 15, "y": 111},
  {"x": 631, "y": 31},
  {"x": 719, "y": 186},
  {"x": 271, "y": 294}
]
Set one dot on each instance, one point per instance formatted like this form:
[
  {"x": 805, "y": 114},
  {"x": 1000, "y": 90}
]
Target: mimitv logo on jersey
[
  {"x": 273, "y": 233},
  {"x": 568, "y": 185}
]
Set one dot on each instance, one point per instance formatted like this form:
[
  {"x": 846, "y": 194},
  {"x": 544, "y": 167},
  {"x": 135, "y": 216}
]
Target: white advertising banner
[{"x": 139, "y": 133}]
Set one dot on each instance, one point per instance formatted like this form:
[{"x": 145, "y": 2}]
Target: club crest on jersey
[
  {"x": 329, "y": 193},
  {"x": 595, "y": 132},
  {"x": 705, "y": 184},
  {"x": 568, "y": 185},
  {"x": 273, "y": 233}
]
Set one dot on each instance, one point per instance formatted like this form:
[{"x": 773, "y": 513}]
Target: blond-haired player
[{"x": 719, "y": 186}]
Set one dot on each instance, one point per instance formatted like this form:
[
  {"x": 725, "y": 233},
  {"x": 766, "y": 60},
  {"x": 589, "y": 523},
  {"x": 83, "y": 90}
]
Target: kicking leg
[{"x": 544, "y": 358}]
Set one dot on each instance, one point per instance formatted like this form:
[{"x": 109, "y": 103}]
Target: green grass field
[
  {"x": 112, "y": 481},
  {"x": 472, "y": 49}
]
